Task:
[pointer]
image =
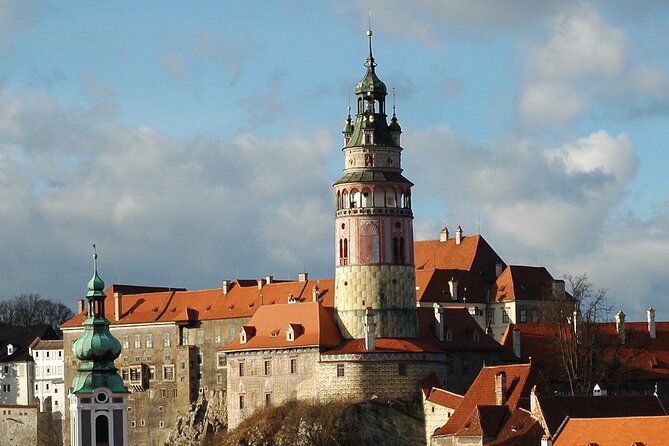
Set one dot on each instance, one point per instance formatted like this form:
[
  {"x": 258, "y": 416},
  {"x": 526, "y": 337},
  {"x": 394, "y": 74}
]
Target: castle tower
[
  {"x": 98, "y": 398},
  {"x": 374, "y": 222}
]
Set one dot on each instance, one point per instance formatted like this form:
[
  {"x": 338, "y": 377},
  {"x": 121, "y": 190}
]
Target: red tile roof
[
  {"x": 522, "y": 283},
  {"x": 472, "y": 254},
  {"x": 432, "y": 286},
  {"x": 269, "y": 324},
  {"x": 464, "y": 329},
  {"x": 444, "y": 398},
  {"x": 644, "y": 358},
  {"x": 43, "y": 344},
  {"x": 241, "y": 300},
  {"x": 647, "y": 431},
  {"x": 519, "y": 378},
  {"x": 521, "y": 429},
  {"x": 555, "y": 409}
]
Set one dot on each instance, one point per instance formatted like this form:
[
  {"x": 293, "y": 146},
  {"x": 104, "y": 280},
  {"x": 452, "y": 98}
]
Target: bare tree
[
  {"x": 32, "y": 309},
  {"x": 587, "y": 352}
]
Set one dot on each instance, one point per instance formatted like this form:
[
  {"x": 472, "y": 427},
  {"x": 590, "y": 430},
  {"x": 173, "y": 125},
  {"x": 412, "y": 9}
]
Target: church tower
[
  {"x": 374, "y": 222},
  {"x": 98, "y": 398}
]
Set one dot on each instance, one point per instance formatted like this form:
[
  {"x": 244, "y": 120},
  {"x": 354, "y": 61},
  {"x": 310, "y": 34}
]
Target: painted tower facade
[
  {"x": 98, "y": 397},
  {"x": 374, "y": 222}
]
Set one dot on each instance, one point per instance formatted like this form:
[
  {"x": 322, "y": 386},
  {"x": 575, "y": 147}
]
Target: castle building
[
  {"x": 98, "y": 398},
  {"x": 49, "y": 376}
]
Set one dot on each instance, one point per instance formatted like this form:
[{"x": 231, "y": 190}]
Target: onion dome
[{"x": 97, "y": 348}]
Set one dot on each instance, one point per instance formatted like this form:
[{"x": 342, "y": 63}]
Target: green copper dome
[
  {"x": 371, "y": 82},
  {"x": 97, "y": 348}
]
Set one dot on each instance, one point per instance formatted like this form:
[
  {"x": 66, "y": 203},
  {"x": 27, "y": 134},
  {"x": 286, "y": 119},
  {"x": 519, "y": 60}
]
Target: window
[
  {"x": 268, "y": 367},
  {"x": 219, "y": 378},
  {"x": 340, "y": 370},
  {"x": 138, "y": 341},
  {"x": 523, "y": 316},
  {"x": 138, "y": 358},
  {"x": 491, "y": 316},
  {"x": 126, "y": 342},
  {"x": 241, "y": 401},
  {"x": 268, "y": 399},
  {"x": 222, "y": 360},
  {"x": 505, "y": 316},
  {"x": 167, "y": 341},
  {"x": 6, "y": 388},
  {"x": 449, "y": 335},
  {"x": 535, "y": 316},
  {"x": 135, "y": 374},
  {"x": 402, "y": 369},
  {"x": 161, "y": 424},
  {"x": 163, "y": 394},
  {"x": 168, "y": 372},
  {"x": 217, "y": 336},
  {"x": 36, "y": 354},
  {"x": 241, "y": 369},
  {"x": 152, "y": 372},
  {"x": 293, "y": 366},
  {"x": 124, "y": 374},
  {"x": 149, "y": 341},
  {"x": 200, "y": 337},
  {"x": 184, "y": 337},
  {"x": 167, "y": 358}
]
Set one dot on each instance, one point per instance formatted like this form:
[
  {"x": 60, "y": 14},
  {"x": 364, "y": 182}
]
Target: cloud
[
  {"x": 15, "y": 17},
  {"x": 162, "y": 210},
  {"x": 585, "y": 67}
]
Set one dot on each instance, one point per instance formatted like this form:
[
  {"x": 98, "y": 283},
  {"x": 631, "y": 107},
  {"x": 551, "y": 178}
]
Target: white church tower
[
  {"x": 98, "y": 398},
  {"x": 374, "y": 222}
]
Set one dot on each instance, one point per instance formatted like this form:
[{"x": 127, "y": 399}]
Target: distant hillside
[{"x": 300, "y": 423}]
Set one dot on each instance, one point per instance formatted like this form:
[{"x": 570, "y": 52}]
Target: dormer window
[
  {"x": 476, "y": 336},
  {"x": 293, "y": 331},
  {"x": 449, "y": 335},
  {"x": 10, "y": 349},
  {"x": 246, "y": 333}
]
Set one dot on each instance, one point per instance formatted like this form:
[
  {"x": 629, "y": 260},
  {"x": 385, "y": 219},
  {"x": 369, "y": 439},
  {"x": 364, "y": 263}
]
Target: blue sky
[{"x": 198, "y": 141}]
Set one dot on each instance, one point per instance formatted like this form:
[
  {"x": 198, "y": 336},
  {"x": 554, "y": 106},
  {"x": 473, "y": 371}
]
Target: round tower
[{"x": 374, "y": 222}]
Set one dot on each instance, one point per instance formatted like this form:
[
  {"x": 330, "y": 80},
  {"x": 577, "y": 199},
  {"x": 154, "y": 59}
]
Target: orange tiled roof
[
  {"x": 646, "y": 358},
  {"x": 269, "y": 323},
  {"x": 625, "y": 431},
  {"x": 43, "y": 344},
  {"x": 519, "y": 379},
  {"x": 242, "y": 300},
  {"x": 522, "y": 283},
  {"x": 520, "y": 429},
  {"x": 555, "y": 409},
  {"x": 444, "y": 398},
  {"x": 432, "y": 286},
  {"x": 472, "y": 254}
]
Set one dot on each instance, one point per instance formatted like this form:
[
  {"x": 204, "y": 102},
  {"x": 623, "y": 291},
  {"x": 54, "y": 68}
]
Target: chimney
[
  {"x": 439, "y": 321},
  {"x": 261, "y": 282},
  {"x": 516, "y": 342},
  {"x": 651, "y": 322},
  {"x": 80, "y": 306},
  {"x": 370, "y": 328},
  {"x": 458, "y": 235},
  {"x": 118, "y": 306},
  {"x": 558, "y": 289},
  {"x": 443, "y": 236},
  {"x": 499, "y": 267},
  {"x": 620, "y": 326},
  {"x": 534, "y": 402},
  {"x": 453, "y": 288},
  {"x": 546, "y": 440},
  {"x": 500, "y": 388},
  {"x": 315, "y": 294},
  {"x": 269, "y": 279},
  {"x": 302, "y": 277},
  {"x": 226, "y": 287}
]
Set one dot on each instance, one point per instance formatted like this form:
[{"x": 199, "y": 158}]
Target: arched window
[
  {"x": 355, "y": 198},
  {"x": 338, "y": 200},
  {"x": 366, "y": 198},
  {"x": 401, "y": 199},
  {"x": 390, "y": 199},
  {"x": 379, "y": 198},
  {"x": 101, "y": 430},
  {"x": 402, "y": 257},
  {"x": 345, "y": 201}
]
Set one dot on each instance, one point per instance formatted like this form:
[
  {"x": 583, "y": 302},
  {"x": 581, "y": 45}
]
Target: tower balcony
[{"x": 405, "y": 212}]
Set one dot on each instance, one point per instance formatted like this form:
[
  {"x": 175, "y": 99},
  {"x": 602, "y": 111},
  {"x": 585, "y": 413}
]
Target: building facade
[{"x": 49, "y": 376}]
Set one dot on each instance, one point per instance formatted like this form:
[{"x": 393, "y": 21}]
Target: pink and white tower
[{"x": 374, "y": 221}]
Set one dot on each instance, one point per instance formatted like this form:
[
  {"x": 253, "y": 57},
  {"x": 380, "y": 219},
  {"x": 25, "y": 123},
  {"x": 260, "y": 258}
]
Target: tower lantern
[{"x": 374, "y": 221}]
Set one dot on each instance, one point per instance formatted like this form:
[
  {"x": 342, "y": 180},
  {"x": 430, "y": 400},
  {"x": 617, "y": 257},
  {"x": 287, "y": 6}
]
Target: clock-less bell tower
[{"x": 374, "y": 222}]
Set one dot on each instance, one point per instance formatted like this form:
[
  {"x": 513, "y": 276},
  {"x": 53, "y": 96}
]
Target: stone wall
[
  {"x": 25, "y": 425},
  {"x": 435, "y": 417},
  {"x": 281, "y": 381},
  {"x": 390, "y": 290}
]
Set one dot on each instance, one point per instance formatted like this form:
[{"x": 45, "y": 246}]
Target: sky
[{"x": 198, "y": 141}]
